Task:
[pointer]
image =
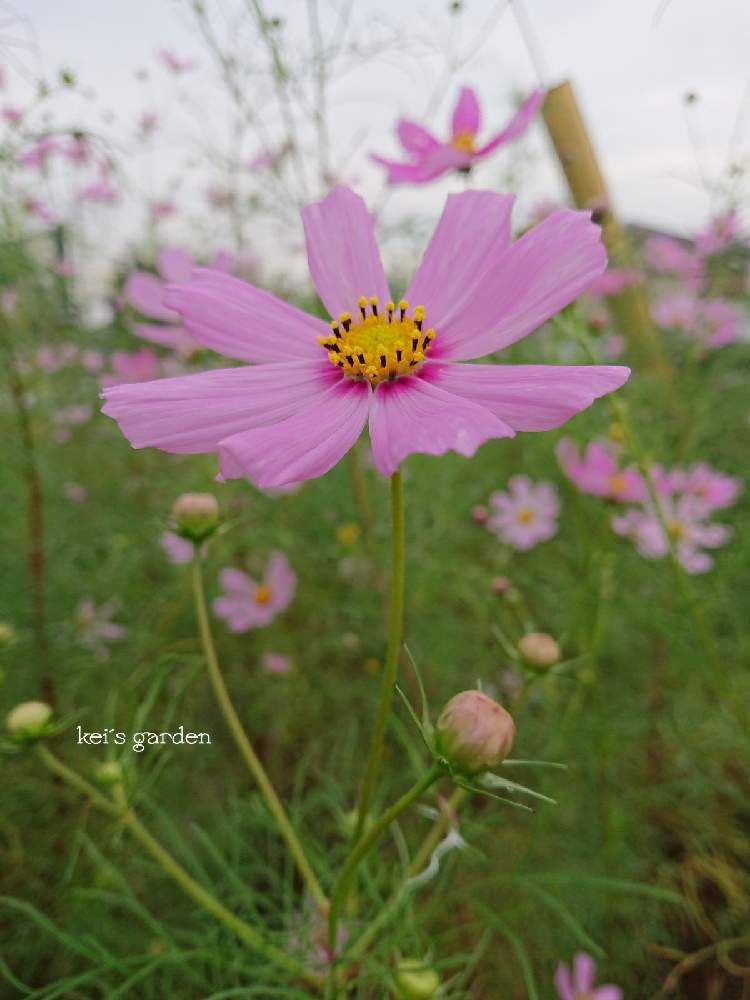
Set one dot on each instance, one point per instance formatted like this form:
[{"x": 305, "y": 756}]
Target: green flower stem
[
  {"x": 359, "y": 495},
  {"x": 418, "y": 862},
  {"x": 395, "y": 626},
  {"x": 366, "y": 842},
  {"x": 244, "y": 746},
  {"x": 174, "y": 870}
]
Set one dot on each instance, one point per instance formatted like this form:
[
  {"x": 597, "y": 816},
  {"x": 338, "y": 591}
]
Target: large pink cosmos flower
[
  {"x": 429, "y": 158},
  {"x": 302, "y": 406},
  {"x": 246, "y": 604},
  {"x": 597, "y": 472},
  {"x": 147, "y": 292},
  {"x": 580, "y": 985},
  {"x": 524, "y": 515}
]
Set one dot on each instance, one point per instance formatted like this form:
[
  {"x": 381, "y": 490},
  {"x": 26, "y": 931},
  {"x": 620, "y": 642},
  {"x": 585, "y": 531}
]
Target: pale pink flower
[
  {"x": 38, "y": 153},
  {"x": 276, "y": 663},
  {"x": 687, "y": 527},
  {"x": 712, "y": 322},
  {"x": 613, "y": 281},
  {"x": 52, "y": 358},
  {"x": 579, "y": 985},
  {"x": 8, "y": 301},
  {"x": 715, "y": 490},
  {"x": 148, "y": 122},
  {"x": 178, "y": 550},
  {"x": 597, "y": 472},
  {"x": 429, "y": 157},
  {"x": 63, "y": 268},
  {"x": 246, "y": 604},
  {"x": 92, "y": 361},
  {"x": 146, "y": 292},
  {"x": 67, "y": 417},
  {"x": 304, "y": 403},
  {"x": 132, "y": 366},
  {"x": 219, "y": 196},
  {"x": 663, "y": 253},
  {"x": 95, "y": 628},
  {"x": 720, "y": 233},
  {"x": 11, "y": 114},
  {"x": 524, "y": 515},
  {"x": 78, "y": 150},
  {"x": 100, "y": 191},
  {"x": 613, "y": 346},
  {"x": 161, "y": 210},
  {"x": 177, "y": 64},
  {"x": 37, "y": 208},
  {"x": 75, "y": 492}
]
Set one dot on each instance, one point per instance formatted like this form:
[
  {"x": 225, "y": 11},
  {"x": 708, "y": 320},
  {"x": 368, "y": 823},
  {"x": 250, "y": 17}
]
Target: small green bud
[
  {"x": 29, "y": 720},
  {"x": 474, "y": 733},
  {"x": 196, "y": 516},
  {"x": 109, "y": 773},
  {"x": 414, "y": 980},
  {"x": 539, "y": 649},
  {"x": 7, "y": 634}
]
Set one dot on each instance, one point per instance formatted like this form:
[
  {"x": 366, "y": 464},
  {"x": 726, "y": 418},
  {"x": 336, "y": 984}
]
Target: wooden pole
[{"x": 570, "y": 139}]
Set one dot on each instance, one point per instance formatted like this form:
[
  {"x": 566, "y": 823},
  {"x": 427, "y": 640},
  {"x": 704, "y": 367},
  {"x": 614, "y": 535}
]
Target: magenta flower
[
  {"x": 147, "y": 293},
  {"x": 429, "y": 158},
  {"x": 526, "y": 514},
  {"x": 246, "y": 604},
  {"x": 38, "y": 153},
  {"x": 132, "y": 366},
  {"x": 580, "y": 984},
  {"x": 597, "y": 472},
  {"x": 686, "y": 527},
  {"x": 301, "y": 407}
]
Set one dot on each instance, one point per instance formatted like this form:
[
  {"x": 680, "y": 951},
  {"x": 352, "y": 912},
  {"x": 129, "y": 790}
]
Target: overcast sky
[{"x": 631, "y": 73}]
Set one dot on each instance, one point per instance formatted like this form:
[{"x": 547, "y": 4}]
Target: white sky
[{"x": 630, "y": 73}]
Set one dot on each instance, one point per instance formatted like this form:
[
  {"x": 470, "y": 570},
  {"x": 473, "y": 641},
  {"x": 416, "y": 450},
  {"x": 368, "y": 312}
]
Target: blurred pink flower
[
  {"x": 75, "y": 492},
  {"x": 178, "y": 550},
  {"x": 63, "y": 268},
  {"x": 687, "y": 527},
  {"x": 40, "y": 211},
  {"x": 613, "y": 281},
  {"x": 38, "y": 153},
  {"x": 429, "y": 158},
  {"x": 51, "y": 358},
  {"x": 100, "y": 191},
  {"x": 663, "y": 253},
  {"x": 276, "y": 663},
  {"x": 131, "y": 366},
  {"x": 161, "y": 210},
  {"x": 78, "y": 150},
  {"x": 712, "y": 322},
  {"x": 246, "y": 604},
  {"x": 95, "y": 627},
  {"x": 148, "y": 122},
  {"x": 146, "y": 292},
  {"x": 720, "y": 233},
  {"x": 713, "y": 489},
  {"x": 67, "y": 417},
  {"x": 177, "y": 64},
  {"x": 219, "y": 196},
  {"x": 597, "y": 472},
  {"x": 11, "y": 114},
  {"x": 301, "y": 406},
  {"x": 524, "y": 515},
  {"x": 92, "y": 361},
  {"x": 580, "y": 985}
]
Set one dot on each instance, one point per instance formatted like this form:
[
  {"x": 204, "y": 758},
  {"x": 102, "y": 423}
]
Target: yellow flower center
[
  {"x": 525, "y": 516},
  {"x": 617, "y": 482},
  {"x": 676, "y": 529},
  {"x": 262, "y": 594},
  {"x": 377, "y": 346},
  {"x": 463, "y": 141}
]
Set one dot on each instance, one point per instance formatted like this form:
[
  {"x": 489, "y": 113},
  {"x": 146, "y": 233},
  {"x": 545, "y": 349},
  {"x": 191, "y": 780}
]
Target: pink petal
[
  {"x": 222, "y": 260},
  {"x": 303, "y": 447},
  {"x": 607, "y": 992},
  {"x": 193, "y": 413},
  {"x": 528, "y": 397},
  {"x": 535, "y": 278},
  {"x": 584, "y": 972},
  {"x": 402, "y": 173},
  {"x": 174, "y": 265},
  {"x": 168, "y": 335},
  {"x": 563, "y": 985},
  {"x": 146, "y": 292},
  {"x": 466, "y": 113},
  {"x": 281, "y": 580},
  {"x": 241, "y": 321},
  {"x": 415, "y": 139},
  {"x": 235, "y": 580},
  {"x": 410, "y": 415},
  {"x": 472, "y": 233},
  {"x": 342, "y": 254},
  {"x": 517, "y": 124}
]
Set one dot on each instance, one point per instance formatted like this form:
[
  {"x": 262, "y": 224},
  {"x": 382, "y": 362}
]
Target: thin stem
[
  {"x": 365, "y": 843},
  {"x": 395, "y": 626},
  {"x": 359, "y": 494},
  {"x": 243, "y": 743},
  {"x": 174, "y": 870}
]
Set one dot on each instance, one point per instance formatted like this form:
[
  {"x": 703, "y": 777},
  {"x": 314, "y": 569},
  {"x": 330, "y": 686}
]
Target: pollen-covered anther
[{"x": 378, "y": 345}]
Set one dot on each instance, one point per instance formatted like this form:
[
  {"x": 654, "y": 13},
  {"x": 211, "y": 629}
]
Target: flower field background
[{"x": 574, "y": 543}]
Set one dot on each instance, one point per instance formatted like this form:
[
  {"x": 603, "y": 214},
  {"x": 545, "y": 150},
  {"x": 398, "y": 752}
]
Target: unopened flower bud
[
  {"x": 479, "y": 514},
  {"x": 28, "y": 720},
  {"x": 414, "y": 980},
  {"x": 109, "y": 773},
  {"x": 539, "y": 649},
  {"x": 196, "y": 515},
  {"x": 474, "y": 733},
  {"x": 500, "y": 584}
]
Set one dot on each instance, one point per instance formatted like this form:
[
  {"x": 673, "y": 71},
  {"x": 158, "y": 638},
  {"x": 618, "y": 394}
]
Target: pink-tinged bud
[
  {"x": 196, "y": 516},
  {"x": 474, "y": 733},
  {"x": 479, "y": 514},
  {"x": 539, "y": 649},
  {"x": 500, "y": 584},
  {"x": 28, "y": 720},
  {"x": 414, "y": 980}
]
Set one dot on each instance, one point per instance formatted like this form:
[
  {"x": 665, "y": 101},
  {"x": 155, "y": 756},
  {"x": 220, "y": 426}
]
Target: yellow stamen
[
  {"x": 463, "y": 141},
  {"x": 525, "y": 515},
  {"x": 262, "y": 594},
  {"x": 617, "y": 482}
]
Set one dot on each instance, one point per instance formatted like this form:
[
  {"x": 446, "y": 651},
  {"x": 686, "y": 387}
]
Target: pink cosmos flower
[
  {"x": 580, "y": 984},
  {"x": 37, "y": 208},
  {"x": 429, "y": 158},
  {"x": 95, "y": 627},
  {"x": 246, "y": 604},
  {"x": 714, "y": 489},
  {"x": 663, "y": 253},
  {"x": 276, "y": 663},
  {"x": 178, "y": 550},
  {"x": 177, "y": 64},
  {"x": 613, "y": 281},
  {"x": 101, "y": 191},
  {"x": 597, "y": 472},
  {"x": 132, "y": 366},
  {"x": 92, "y": 361},
  {"x": 712, "y": 322},
  {"x": 686, "y": 524},
  {"x": 78, "y": 150},
  {"x": 52, "y": 358},
  {"x": 526, "y": 514},
  {"x": 75, "y": 492},
  {"x": 302, "y": 406},
  {"x": 720, "y": 233},
  {"x": 38, "y": 153},
  {"x": 11, "y": 114},
  {"x": 147, "y": 293}
]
